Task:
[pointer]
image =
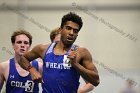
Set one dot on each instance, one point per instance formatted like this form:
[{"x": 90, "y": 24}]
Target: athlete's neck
[
  {"x": 63, "y": 46},
  {"x": 61, "y": 49},
  {"x": 17, "y": 58}
]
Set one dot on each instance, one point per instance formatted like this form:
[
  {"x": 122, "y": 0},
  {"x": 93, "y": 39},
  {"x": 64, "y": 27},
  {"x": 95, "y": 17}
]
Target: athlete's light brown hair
[{"x": 20, "y": 32}]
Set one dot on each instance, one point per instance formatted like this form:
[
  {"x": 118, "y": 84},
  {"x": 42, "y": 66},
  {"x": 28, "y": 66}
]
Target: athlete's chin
[
  {"x": 69, "y": 43},
  {"x": 21, "y": 53}
]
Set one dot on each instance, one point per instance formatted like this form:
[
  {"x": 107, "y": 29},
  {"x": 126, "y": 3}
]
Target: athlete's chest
[{"x": 21, "y": 71}]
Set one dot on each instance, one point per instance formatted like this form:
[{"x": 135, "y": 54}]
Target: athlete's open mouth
[
  {"x": 70, "y": 38},
  {"x": 22, "y": 50}
]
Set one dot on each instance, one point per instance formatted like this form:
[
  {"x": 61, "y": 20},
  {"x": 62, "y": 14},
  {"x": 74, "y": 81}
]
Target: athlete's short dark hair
[{"x": 72, "y": 17}]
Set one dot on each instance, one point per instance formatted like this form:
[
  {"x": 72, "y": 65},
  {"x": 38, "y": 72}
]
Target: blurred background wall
[{"x": 111, "y": 32}]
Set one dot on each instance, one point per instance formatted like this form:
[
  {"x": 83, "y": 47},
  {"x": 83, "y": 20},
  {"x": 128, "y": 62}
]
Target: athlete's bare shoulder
[
  {"x": 4, "y": 65},
  {"x": 83, "y": 53},
  {"x": 4, "y": 68},
  {"x": 40, "y": 49},
  {"x": 82, "y": 50}
]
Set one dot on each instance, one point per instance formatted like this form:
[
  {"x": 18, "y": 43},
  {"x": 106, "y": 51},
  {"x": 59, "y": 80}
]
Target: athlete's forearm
[
  {"x": 1, "y": 85},
  {"x": 86, "y": 88},
  {"x": 90, "y": 76},
  {"x": 24, "y": 63}
]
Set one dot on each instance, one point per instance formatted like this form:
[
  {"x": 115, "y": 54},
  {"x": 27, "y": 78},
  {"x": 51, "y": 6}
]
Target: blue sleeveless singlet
[
  {"x": 19, "y": 84},
  {"x": 58, "y": 78}
]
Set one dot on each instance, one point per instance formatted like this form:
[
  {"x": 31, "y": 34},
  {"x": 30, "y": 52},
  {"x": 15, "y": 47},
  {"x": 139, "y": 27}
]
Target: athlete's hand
[
  {"x": 73, "y": 55},
  {"x": 80, "y": 90},
  {"x": 36, "y": 76},
  {"x": 24, "y": 63}
]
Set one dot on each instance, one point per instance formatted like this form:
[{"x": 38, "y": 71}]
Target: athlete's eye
[
  {"x": 26, "y": 42},
  {"x": 74, "y": 29},
  {"x": 19, "y": 42},
  {"x": 68, "y": 27}
]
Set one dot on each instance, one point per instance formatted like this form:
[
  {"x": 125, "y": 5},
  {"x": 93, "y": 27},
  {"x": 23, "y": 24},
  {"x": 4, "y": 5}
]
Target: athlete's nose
[
  {"x": 71, "y": 32},
  {"x": 22, "y": 44}
]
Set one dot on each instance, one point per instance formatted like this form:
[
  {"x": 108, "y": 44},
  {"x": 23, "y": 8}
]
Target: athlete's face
[
  {"x": 21, "y": 44},
  {"x": 69, "y": 32}
]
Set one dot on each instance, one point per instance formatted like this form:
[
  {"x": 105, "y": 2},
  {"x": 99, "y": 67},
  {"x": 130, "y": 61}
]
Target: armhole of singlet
[
  {"x": 10, "y": 63},
  {"x": 51, "y": 45}
]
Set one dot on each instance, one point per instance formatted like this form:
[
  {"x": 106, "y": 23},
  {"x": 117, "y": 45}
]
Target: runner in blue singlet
[
  {"x": 16, "y": 78},
  {"x": 62, "y": 63}
]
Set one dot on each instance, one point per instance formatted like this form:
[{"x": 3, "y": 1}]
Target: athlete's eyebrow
[{"x": 70, "y": 28}]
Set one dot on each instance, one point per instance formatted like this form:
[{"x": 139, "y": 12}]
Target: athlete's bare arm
[
  {"x": 83, "y": 64},
  {"x": 4, "y": 71},
  {"x": 37, "y": 52},
  {"x": 86, "y": 88}
]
